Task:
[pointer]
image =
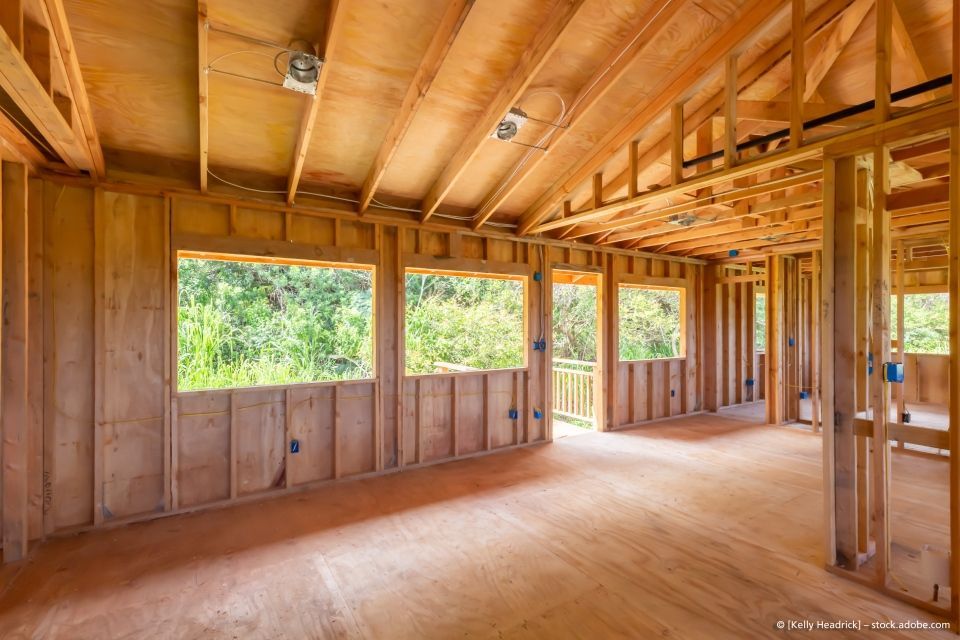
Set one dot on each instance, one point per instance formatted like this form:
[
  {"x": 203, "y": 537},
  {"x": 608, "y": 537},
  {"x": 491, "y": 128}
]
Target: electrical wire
[
  {"x": 540, "y": 144},
  {"x": 350, "y": 200},
  {"x": 580, "y": 98}
]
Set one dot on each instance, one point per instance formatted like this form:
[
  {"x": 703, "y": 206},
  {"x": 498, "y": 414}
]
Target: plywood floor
[{"x": 704, "y": 527}]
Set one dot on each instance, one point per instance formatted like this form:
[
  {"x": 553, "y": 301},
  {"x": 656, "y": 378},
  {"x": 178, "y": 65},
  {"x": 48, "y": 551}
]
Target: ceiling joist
[
  {"x": 531, "y": 61},
  {"x": 443, "y": 38},
  {"x": 335, "y": 24},
  {"x": 737, "y": 32},
  {"x": 597, "y": 86}
]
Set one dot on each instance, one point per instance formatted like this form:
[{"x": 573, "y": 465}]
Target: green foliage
[
  {"x": 760, "y": 321},
  {"x": 243, "y": 324},
  {"x": 575, "y": 322},
  {"x": 472, "y": 322},
  {"x": 649, "y": 323},
  {"x": 926, "y": 322}
]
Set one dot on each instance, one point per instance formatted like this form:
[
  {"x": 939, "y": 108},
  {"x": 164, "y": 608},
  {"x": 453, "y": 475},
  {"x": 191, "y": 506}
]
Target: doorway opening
[{"x": 575, "y": 362}]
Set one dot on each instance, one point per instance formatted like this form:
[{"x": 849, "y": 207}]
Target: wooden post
[
  {"x": 611, "y": 341},
  {"x": 711, "y": 344},
  {"x": 676, "y": 148},
  {"x": 774, "y": 352},
  {"x": 798, "y": 74},
  {"x": 13, "y": 359},
  {"x": 954, "y": 376},
  {"x": 901, "y": 349},
  {"x": 839, "y": 355},
  {"x": 815, "y": 320},
  {"x": 730, "y": 113},
  {"x": 880, "y": 347}
]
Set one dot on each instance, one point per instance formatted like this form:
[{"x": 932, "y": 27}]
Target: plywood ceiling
[{"x": 141, "y": 66}]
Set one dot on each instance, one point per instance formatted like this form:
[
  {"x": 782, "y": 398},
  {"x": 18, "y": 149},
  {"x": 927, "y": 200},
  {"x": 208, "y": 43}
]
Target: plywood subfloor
[{"x": 703, "y": 527}]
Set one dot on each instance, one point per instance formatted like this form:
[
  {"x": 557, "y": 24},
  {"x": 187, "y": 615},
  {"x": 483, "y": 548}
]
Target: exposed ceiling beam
[
  {"x": 818, "y": 20},
  {"x": 751, "y": 216},
  {"x": 63, "y": 40},
  {"x": 532, "y": 60},
  {"x": 595, "y": 88},
  {"x": 751, "y": 238},
  {"x": 35, "y": 99},
  {"x": 706, "y": 180},
  {"x": 203, "y": 92},
  {"x": 904, "y": 45},
  {"x": 738, "y": 31},
  {"x": 836, "y": 41},
  {"x": 335, "y": 22},
  {"x": 443, "y": 38},
  {"x": 792, "y": 233}
]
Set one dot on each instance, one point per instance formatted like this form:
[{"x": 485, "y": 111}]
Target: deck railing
[{"x": 574, "y": 385}]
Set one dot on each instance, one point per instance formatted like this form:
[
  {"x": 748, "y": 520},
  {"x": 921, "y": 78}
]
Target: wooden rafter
[
  {"x": 423, "y": 78},
  {"x": 818, "y": 20},
  {"x": 834, "y": 43},
  {"x": 597, "y": 86},
  {"x": 33, "y": 96},
  {"x": 531, "y": 62},
  {"x": 63, "y": 40},
  {"x": 335, "y": 22},
  {"x": 737, "y": 32}
]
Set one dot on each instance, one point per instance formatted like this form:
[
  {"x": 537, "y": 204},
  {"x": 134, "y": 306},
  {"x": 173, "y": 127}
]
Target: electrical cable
[
  {"x": 539, "y": 145},
  {"x": 342, "y": 199},
  {"x": 582, "y": 96}
]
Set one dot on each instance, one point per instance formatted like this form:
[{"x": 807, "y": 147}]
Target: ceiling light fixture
[
  {"x": 510, "y": 125},
  {"x": 303, "y": 72}
]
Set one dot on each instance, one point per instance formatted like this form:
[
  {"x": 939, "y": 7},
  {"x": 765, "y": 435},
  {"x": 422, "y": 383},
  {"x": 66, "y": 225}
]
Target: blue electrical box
[
  {"x": 893, "y": 372},
  {"x": 514, "y": 414},
  {"x": 537, "y": 414},
  {"x": 537, "y": 276},
  {"x": 294, "y": 446},
  {"x": 750, "y": 382},
  {"x": 804, "y": 395},
  {"x": 733, "y": 253}
]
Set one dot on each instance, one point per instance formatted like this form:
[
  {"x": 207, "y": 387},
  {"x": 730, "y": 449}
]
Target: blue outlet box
[
  {"x": 804, "y": 395},
  {"x": 750, "y": 382},
  {"x": 294, "y": 446},
  {"x": 791, "y": 342},
  {"x": 514, "y": 414},
  {"x": 537, "y": 414},
  {"x": 733, "y": 253},
  {"x": 537, "y": 276},
  {"x": 893, "y": 372}
]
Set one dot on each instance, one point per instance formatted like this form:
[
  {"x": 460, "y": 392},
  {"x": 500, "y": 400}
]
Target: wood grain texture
[{"x": 664, "y": 530}]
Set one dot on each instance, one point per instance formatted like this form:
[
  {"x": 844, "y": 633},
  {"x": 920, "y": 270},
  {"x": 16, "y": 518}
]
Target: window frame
[
  {"x": 522, "y": 278},
  {"x": 681, "y": 312},
  {"x": 192, "y": 254}
]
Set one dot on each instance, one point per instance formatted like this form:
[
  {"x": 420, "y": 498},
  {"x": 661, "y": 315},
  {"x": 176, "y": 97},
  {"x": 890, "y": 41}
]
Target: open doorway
[{"x": 576, "y": 348}]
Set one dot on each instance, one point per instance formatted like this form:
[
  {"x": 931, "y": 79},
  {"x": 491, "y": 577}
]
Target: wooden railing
[{"x": 574, "y": 384}]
